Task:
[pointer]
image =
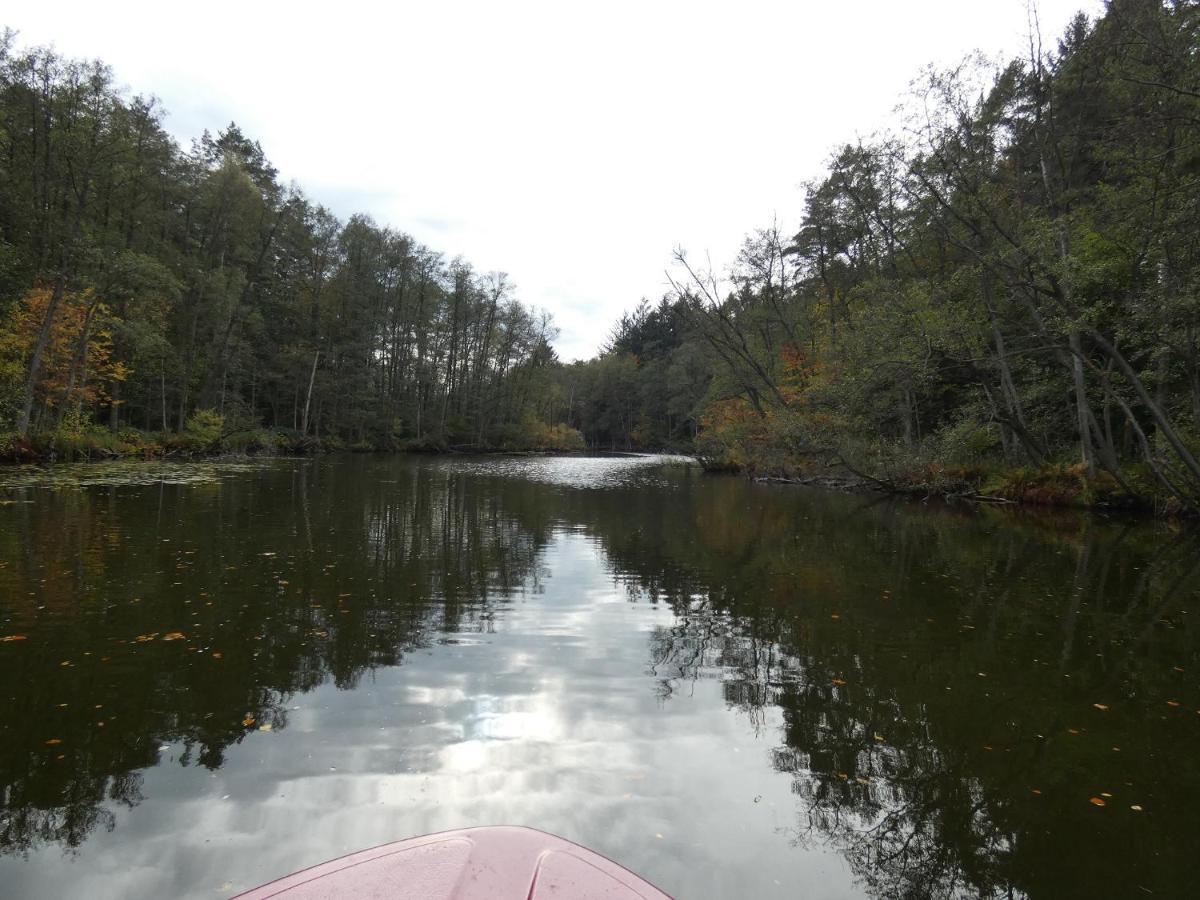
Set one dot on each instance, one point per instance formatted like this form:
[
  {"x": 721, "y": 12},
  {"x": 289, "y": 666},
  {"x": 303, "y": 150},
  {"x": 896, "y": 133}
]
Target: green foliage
[{"x": 203, "y": 430}]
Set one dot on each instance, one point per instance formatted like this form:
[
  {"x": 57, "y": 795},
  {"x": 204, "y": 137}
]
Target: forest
[{"x": 995, "y": 297}]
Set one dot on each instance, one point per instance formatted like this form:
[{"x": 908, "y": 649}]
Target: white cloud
[{"x": 570, "y": 145}]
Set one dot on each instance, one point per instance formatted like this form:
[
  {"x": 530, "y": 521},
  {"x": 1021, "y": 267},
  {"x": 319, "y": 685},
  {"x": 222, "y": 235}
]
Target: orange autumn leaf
[
  {"x": 80, "y": 316},
  {"x": 14, "y": 637},
  {"x": 838, "y": 681},
  {"x": 1097, "y": 801},
  {"x": 53, "y": 741},
  {"x": 1100, "y": 706},
  {"x": 248, "y": 721},
  {"x": 172, "y": 635}
]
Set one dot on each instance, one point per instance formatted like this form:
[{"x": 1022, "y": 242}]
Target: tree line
[
  {"x": 191, "y": 292},
  {"x": 1007, "y": 277},
  {"x": 997, "y": 296}
]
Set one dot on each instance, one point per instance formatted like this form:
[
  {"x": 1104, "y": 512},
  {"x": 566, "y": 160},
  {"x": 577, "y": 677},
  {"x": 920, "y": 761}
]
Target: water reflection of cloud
[{"x": 550, "y": 721}]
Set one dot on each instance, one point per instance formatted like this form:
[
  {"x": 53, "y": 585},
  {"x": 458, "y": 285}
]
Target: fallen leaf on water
[
  {"x": 835, "y": 616},
  {"x": 248, "y": 721},
  {"x": 14, "y": 637},
  {"x": 173, "y": 636},
  {"x": 838, "y": 681},
  {"x": 53, "y": 741},
  {"x": 1096, "y": 801},
  {"x": 1100, "y": 706},
  {"x": 266, "y": 727},
  {"x": 1073, "y": 731},
  {"x": 1136, "y": 807},
  {"x": 1037, "y": 791},
  {"x": 217, "y": 654},
  {"x": 843, "y": 776},
  {"x": 1172, "y": 703},
  {"x": 878, "y": 736}
]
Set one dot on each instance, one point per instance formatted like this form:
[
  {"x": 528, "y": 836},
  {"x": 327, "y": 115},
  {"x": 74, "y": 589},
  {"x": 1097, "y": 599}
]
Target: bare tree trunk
[
  {"x": 312, "y": 377},
  {"x": 77, "y": 358},
  {"x": 1081, "y": 405},
  {"x": 35, "y": 360}
]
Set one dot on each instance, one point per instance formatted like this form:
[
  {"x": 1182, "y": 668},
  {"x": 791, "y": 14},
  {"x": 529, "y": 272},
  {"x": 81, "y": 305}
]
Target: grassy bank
[
  {"x": 207, "y": 434},
  {"x": 1055, "y": 484}
]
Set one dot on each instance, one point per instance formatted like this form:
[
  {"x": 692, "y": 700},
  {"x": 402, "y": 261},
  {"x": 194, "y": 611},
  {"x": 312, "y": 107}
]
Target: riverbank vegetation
[
  {"x": 157, "y": 299},
  {"x": 998, "y": 298}
]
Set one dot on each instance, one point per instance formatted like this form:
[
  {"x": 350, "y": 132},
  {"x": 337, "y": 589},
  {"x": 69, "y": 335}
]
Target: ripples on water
[{"x": 217, "y": 674}]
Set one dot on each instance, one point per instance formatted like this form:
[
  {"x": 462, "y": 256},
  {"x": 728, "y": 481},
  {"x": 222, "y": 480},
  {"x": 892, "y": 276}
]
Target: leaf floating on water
[
  {"x": 839, "y": 682},
  {"x": 142, "y": 638},
  {"x": 173, "y": 636},
  {"x": 1097, "y": 801},
  {"x": 248, "y": 721},
  {"x": 13, "y": 637},
  {"x": 1173, "y": 703},
  {"x": 843, "y": 776},
  {"x": 878, "y": 736},
  {"x": 267, "y": 727},
  {"x": 217, "y": 654},
  {"x": 53, "y": 741},
  {"x": 1100, "y": 706},
  {"x": 1136, "y": 807},
  {"x": 835, "y": 616}
]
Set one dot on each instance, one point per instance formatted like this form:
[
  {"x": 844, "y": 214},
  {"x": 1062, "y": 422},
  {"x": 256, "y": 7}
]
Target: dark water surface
[{"x": 213, "y": 675}]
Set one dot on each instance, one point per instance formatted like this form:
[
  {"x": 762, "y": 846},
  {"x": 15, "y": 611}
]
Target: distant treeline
[{"x": 997, "y": 298}]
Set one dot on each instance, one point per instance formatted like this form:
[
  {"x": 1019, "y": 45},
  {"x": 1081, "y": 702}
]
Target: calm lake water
[{"x": 215, "y": 674}]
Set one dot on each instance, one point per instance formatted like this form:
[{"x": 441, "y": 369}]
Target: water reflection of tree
[
  {"x": 359, "y": 575},
  {"x": 929, "y": 677},
  {"x": 861, "y": 626}
]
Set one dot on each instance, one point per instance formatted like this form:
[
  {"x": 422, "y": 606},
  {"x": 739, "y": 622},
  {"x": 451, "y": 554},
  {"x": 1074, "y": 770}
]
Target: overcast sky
[{"x": 570, "y": 145}]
